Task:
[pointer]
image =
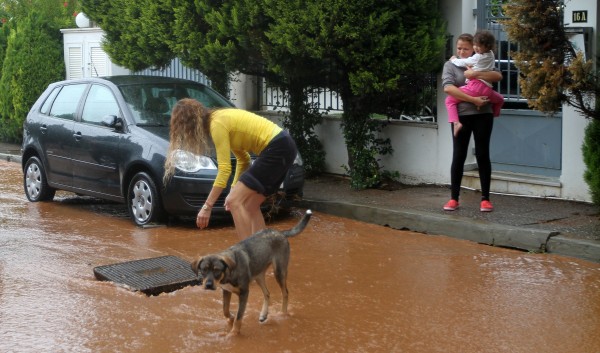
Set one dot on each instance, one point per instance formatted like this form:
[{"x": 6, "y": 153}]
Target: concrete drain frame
[{"x": 150, "y": 276}]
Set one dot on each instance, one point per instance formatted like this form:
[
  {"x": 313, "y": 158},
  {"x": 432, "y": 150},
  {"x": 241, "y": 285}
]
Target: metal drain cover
[{"x": 150, "y": 276}]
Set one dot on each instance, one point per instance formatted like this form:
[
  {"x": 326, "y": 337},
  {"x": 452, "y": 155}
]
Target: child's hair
[{"x": 484, "y": 39}]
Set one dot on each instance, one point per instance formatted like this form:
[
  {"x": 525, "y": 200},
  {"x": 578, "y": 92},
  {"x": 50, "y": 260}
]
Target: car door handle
[{"x": 77, "y": 135}]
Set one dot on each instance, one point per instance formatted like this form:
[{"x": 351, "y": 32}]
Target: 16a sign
[{"x": 580, "y": 16}]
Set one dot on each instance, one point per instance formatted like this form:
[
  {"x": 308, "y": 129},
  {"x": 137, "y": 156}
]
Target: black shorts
[{"x": 269, "y": 169}]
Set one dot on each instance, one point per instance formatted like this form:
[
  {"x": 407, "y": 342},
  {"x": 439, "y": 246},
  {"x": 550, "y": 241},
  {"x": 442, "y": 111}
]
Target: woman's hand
[
  {"x": 479, "y": 101},
  {"x": 203, "y": 217}
]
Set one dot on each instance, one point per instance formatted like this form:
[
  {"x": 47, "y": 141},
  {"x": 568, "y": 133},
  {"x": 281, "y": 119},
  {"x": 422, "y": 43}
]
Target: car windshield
[{"x": 151, "y": 103}]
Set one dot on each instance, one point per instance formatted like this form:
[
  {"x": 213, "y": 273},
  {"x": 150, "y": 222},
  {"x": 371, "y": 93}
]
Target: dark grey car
[{"x": 107, "y": 137}]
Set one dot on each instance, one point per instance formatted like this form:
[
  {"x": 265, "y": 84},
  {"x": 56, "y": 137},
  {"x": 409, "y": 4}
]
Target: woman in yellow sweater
[{"x": 240, "y": 132}]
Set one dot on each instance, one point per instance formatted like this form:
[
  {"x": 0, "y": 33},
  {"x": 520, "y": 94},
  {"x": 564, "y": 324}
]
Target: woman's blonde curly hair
[{"x": 190, "y": 131}]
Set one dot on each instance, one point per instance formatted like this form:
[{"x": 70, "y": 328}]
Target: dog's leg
[
  {"x": 265, "y": 308},
  {"x": 280, "y": 271},
  {"x": 237, "y": 323},
  {"x": 226, "y": 312}
]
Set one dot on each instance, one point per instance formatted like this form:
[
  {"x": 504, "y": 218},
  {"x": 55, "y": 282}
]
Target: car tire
[
  {"x": 143, "y": 200},
  {"x": 35, "y": 182}
]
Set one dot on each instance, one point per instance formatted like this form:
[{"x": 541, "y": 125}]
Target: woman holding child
[{"x": 475, "y": 117}]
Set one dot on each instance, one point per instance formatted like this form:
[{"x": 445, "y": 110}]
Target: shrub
[
  {"x": 34, "y": 58},
  {"x": 591, "y": 157}
]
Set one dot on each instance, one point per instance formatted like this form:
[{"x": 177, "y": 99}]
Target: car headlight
[{"x": 191, "y": 163}]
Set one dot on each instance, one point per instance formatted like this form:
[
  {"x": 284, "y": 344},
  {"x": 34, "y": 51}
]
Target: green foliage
[
  {"x": 364, "y": 147},
  {"x": 197, "y": 41},
  {"x": 137, "y": 33},
  {"x": 554, "y": 73},
  {"x": 376, "y": 45},
  {"x": 32, "y": 49},
  {"x": 366, "y": 50},
  {"x": 591, "y": 158}
]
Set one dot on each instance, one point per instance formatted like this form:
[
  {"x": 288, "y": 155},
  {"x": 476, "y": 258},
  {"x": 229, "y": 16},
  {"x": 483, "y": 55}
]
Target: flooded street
[{"x": 354, "y": 287}]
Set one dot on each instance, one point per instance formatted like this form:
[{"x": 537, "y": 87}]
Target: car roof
[
  {"x": 119, "y": 80},
  {"x": 139, "y": 79}
]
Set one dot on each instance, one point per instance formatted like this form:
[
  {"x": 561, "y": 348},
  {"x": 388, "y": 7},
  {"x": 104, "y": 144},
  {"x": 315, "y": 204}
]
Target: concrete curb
[
  {"x": 10, "y": 157},
  {"x": 482, "y": 232},
  {"x": 587, "y": 250}
]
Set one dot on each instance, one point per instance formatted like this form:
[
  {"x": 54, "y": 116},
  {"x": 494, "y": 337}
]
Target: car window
[
  {"x": 65, "y": 104},
  {"x": 208, "y": 98},
  {"x": 152, "y": 103},
  {"x": 99, "y": 103},
  {"x": 48, "y": 102}
]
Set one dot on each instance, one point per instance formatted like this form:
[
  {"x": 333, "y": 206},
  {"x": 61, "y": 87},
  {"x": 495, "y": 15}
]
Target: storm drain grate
[{"x": 150, "y": 276}]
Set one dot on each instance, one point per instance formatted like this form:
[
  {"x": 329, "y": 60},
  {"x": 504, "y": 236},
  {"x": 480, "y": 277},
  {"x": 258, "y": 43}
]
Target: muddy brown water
[{"x": 354, "y": 287}]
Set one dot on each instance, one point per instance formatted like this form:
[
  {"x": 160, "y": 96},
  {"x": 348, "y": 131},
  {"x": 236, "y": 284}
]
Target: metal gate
[{"x": 523, "y": 141}]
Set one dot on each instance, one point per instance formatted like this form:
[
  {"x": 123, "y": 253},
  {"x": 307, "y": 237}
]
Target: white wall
[{"x": 573, "y": 167}]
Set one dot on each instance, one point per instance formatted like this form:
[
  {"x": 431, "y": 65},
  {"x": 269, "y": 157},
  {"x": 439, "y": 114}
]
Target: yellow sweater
[{"x": 240, "y": 132}]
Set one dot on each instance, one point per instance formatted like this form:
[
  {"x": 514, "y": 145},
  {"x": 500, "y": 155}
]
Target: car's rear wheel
[
  {"x": 35, "y": 183},
  {"x": 143, "y": 200}
]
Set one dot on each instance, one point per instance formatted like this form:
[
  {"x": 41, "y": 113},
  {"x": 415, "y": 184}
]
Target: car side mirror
[{"x": 112, "y": 121}]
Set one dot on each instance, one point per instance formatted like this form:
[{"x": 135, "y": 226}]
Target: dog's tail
[{"x": 298, "y": 227}]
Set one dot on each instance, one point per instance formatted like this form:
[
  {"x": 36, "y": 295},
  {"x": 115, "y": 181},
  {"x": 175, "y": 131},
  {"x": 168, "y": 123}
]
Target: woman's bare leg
[{"x": 244, "y": 204}]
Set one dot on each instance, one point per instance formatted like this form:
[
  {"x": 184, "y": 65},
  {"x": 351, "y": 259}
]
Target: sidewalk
[{"x": 531, "y": 224}]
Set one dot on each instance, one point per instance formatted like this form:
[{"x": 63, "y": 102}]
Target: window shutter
[
  {"x": 74, "y": 63},
  {"x": 98, "y": 62}
]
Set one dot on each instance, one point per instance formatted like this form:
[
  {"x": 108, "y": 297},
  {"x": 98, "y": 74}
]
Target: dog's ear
[
  {"x": 229, "y": 261},
  {"x": 196, "y": 265}
]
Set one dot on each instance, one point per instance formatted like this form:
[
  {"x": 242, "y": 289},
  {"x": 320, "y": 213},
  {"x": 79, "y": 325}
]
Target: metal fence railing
[
  {"x": 490, "y": 16},
  {"x": 424, "y": 92},
  {"x": 177, "y": 69},
  {"x": 274, "y": 98}
]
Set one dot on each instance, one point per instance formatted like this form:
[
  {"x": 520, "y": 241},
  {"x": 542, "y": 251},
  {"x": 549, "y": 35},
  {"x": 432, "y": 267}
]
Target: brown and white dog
[{"x": 235, "y": 268}]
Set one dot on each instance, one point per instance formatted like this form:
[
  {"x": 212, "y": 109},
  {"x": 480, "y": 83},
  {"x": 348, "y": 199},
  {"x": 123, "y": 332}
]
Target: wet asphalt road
[{"x": 354, "y": 287}]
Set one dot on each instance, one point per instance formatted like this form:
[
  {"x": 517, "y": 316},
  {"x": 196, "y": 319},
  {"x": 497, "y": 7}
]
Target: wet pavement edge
[
  {"x": 521, "y": 238},
  {"x": 494, "y": 234}
]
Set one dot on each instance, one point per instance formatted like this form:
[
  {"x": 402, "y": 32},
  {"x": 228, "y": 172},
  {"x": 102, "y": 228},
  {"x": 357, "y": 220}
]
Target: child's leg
[
  {"x": 497, "y": 101},
  {"x": 452, "y": 108}
]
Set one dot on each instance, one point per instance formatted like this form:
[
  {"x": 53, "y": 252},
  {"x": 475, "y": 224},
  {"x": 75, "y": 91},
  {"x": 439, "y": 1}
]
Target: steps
[{"x": 517, "y": 184}]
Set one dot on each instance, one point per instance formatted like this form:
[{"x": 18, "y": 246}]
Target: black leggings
[{"x": 480, "y": 125}]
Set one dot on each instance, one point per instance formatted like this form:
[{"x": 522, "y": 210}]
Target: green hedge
[{"x": 33, "y": 58}]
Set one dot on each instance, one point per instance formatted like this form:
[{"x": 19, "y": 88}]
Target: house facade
[{"x": 532, "y": 154}]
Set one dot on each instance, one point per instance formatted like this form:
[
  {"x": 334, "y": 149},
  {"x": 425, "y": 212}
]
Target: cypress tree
[{"x": 34, "y": 58}]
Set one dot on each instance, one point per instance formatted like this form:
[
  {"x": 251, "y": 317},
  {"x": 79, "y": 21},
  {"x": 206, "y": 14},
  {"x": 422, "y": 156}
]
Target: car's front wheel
[
  {"x": 143, "y": 200},
  {"x": 35, "y": 183}
]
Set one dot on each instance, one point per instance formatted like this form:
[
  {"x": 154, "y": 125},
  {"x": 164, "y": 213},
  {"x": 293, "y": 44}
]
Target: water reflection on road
[{"x": 354, "y": 287}]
